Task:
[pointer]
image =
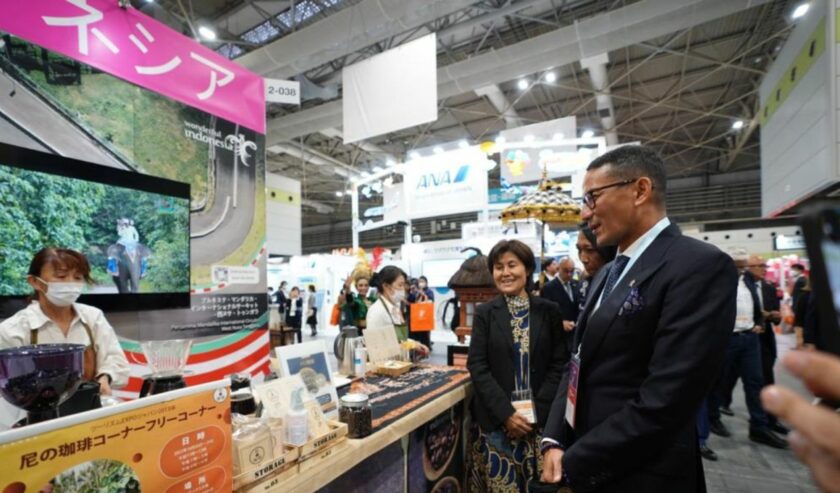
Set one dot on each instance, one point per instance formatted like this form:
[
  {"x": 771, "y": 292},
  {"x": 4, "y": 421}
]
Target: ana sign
[{"x": 447, "y": 183}]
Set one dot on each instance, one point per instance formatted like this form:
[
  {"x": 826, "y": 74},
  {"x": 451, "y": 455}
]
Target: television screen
[{"x": 133, "y": 228}]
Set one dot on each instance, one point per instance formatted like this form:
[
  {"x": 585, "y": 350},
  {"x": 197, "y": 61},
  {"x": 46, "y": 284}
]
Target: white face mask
[
  {"x": 62, "y": 293},
  {"x": 399, "y": 297}
]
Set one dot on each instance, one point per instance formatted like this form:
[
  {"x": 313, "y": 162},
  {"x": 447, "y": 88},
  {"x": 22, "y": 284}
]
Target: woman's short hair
[
  {"x": 388, "y": 275},
  {"x": 520, "y": 250},
  {"x": 60, "y": 258}
]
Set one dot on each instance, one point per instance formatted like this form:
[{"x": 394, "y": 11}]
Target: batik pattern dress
[{"x": 499, "y": 464}]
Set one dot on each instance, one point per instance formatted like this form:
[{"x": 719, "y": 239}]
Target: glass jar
[{"x": 354, "y": 410}]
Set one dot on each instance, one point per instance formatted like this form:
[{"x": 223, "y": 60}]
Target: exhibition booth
[{"x": 157, "y": 177}]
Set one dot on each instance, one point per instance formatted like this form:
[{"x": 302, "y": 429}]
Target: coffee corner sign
[
  {"x": 134, "y": 47},
  {"x": 446, "y": 184}
]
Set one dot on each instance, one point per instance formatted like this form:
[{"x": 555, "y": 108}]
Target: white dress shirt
[
  {"x": 110, "y": 358},
  {"x": 384, "y": 314},
  {"x": 744, "y": 320},
  {"x": 636, "y": 249}
]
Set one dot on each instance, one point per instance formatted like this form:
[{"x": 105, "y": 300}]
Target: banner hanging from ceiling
[
  {"x": 448, "y": 183},
  {"x": 136, "y": 48}
]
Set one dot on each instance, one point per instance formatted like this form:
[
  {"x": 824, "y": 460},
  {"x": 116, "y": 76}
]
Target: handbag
[
  {"x": 422, "y": 316},
  {"x": 335, "y": 316}
]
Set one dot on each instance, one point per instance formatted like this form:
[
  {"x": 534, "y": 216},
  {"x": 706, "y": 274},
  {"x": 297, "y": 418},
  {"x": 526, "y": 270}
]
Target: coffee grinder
[{"x": 167, "y": 359}]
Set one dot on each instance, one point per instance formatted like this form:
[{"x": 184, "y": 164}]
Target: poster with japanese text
[
  {"x": 176, "y": 445},
  {"x": 114, "y": 87}
]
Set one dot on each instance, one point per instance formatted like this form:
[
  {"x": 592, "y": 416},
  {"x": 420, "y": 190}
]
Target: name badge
[
  {"x": 526, "y": 409},
  {"x": 571, "y": 393}
]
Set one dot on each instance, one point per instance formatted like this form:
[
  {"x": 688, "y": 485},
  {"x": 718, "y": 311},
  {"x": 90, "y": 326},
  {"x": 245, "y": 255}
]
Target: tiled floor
[{"x": 743, "y": 467}]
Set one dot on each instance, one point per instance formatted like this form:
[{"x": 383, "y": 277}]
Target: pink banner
[{"x": 137, "y": 48}]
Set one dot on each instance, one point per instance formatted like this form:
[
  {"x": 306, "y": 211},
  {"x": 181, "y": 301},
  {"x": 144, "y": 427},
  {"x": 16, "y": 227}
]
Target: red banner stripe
[{"x": 140, "y": 358}]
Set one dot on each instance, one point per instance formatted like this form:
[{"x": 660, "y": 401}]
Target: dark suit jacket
[
  {"x": 569, "y": 307},
  {"x": 649, "y": 356},
  {"x": 491, "y": 357},
  {"x": 771, "y": 302},
  {"x": 294, "y": 321}
]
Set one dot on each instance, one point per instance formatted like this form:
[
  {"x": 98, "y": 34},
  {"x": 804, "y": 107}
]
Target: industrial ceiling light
[
  {"x": 588, "y": 134},
  {"x": 378, "y": 169},
  {"x": 438, "y": 150},
  {"x": 550, "y": 77},
  {"x": 463, "y": 144},
  {"x": 206, "y": 33},
  {"x": 365, "y": 174},
  {"x": 500, "y": 140},
  {"x": 390, "y": 163},
  {"x": 801, "y": 10},
  {"x": 522, "y": 84},
  {"x": 414, "y": 155},
  {"x": 339, "y": 194},
  {"x": 737, "y": 124}
]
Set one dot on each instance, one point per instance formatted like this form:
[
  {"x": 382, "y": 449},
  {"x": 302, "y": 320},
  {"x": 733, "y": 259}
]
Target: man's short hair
[{"x": 634, "y": 161}]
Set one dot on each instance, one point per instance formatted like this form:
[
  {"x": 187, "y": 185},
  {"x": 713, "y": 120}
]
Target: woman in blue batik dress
[{"x": 516, "y": 358}]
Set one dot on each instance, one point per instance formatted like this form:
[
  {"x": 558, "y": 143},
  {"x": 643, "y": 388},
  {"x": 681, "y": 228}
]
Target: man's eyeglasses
[{"x": 591, "y": 196}]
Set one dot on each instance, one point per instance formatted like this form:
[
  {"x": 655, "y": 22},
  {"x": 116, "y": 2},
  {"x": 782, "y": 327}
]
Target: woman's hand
[
  {"x": 517, "y": 426},
  {"x": 104, "y": 385}
]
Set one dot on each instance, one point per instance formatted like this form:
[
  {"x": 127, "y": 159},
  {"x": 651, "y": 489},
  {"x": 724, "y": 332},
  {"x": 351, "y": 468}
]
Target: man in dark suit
[
  {"x": 768, "y": 295},
  {"x": 565, "y": 291},
  {"x": 650, "y": 339},
  {"x": 799, "y": 283}
]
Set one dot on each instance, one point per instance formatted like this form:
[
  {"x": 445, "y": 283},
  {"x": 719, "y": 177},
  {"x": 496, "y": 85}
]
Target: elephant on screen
[{"x": 128, "y": 265}]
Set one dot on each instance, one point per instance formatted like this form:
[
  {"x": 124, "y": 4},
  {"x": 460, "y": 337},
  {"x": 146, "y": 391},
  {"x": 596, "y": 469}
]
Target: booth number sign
[{"x": 282, "y": 91}]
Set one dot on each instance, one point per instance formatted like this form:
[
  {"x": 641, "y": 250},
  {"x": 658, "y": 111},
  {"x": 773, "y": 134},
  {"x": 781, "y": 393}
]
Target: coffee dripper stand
[{"x": 168, "y": 360}]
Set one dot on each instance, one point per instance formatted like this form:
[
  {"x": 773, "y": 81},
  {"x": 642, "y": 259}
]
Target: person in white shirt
[
  {"x": 743, "y": 359},
  {"x": 387, "y": 311},
  {"x": 57, "y": 276}
]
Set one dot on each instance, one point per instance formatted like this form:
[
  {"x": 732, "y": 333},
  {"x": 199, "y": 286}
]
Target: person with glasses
[
  {"x": 648, "y": 343},
  {"x": 770, "y": 306}
]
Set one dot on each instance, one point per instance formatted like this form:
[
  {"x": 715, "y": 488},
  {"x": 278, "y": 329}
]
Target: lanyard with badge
[{"x": 571, "y": 393}]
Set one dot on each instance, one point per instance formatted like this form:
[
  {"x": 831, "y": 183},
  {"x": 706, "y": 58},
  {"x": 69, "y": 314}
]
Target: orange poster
[{"x": 177, "y": 442}]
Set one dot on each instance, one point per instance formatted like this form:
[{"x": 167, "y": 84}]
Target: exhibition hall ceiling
[{"x": 681, "y": 91}]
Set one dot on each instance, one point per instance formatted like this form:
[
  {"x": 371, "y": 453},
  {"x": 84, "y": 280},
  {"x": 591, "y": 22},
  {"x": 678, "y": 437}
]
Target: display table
[{"x": 409, "y": 412}]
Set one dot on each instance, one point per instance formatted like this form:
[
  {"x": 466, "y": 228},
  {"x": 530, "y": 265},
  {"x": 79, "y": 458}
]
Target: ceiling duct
[
  {"x": 318, "y": 207},
  {"x": 499, "y": 101},
  {"x": 597, "y": 67},
  {"x": 345, "y": 32},
  {"x": 599, "y": 34}
]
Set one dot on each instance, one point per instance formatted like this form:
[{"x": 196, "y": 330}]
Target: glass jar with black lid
[{"x": 355, "y": 411}]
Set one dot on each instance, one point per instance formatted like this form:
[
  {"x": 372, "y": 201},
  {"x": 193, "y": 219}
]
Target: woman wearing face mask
[
  {"x": 421, "y": 293},
  {"x": 516, "y": 359},
  {"x": 388, "y": 310},
  {"x": 57, "y": 276}
]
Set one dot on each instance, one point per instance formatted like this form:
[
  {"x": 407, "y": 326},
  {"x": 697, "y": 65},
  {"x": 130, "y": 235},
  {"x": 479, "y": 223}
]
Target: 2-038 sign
[{"x": 282, "y": 91}]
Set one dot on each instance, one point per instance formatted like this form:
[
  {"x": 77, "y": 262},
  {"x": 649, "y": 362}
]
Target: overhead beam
[{"x": 633, "y": 24}]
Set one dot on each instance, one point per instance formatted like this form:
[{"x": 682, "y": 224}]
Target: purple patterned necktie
[{"x": 615, "y": 272}]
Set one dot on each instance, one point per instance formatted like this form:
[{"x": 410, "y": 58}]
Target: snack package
[{"x": 253, "y": 443}]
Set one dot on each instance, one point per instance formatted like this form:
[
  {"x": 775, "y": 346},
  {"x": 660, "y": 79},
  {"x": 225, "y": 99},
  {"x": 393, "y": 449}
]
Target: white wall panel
[
  {"x": 798, "y": 140},
  {"x": 283, "y": 215}
]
